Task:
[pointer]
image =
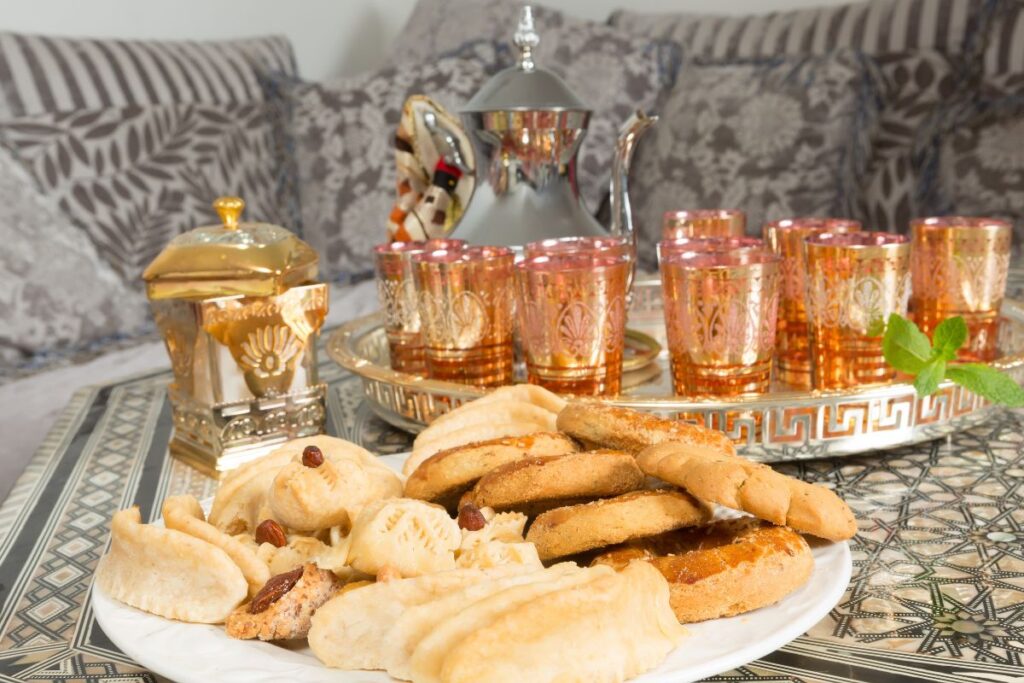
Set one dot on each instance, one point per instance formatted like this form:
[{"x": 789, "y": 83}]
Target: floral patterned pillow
[
  {"x": 134, "y": 177},
  {"x": 342, "y": 134},
  {"x": 614, "y": 72},
  {"x": 55, "y": 292},
  {"x": 776, "y": 138},
  {"x": 977, "y": 166}
]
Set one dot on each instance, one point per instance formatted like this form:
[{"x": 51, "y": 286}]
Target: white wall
[{"x": 331, "y": 37}]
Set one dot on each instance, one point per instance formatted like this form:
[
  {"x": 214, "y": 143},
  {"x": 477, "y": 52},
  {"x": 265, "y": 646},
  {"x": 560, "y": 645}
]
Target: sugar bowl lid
[
  {"x": 251, "y": 259},
  {"x": 525, "y": 87}
]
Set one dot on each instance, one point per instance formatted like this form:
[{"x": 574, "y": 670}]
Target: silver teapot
[{"x": 526, "y": 126}]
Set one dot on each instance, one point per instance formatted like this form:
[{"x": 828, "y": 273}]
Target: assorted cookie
[{"x": 442, "y": 578}]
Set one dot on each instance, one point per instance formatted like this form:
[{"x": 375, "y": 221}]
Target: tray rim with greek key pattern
[{"x": 776, "y": 427}]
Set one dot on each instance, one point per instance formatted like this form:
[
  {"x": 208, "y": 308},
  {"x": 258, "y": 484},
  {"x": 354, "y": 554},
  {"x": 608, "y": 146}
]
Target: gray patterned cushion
[
  {"x": 912, "y": 42},
  {"x": 45, "y": 73},
  {"x": 342, "y": 132},
  {"x": 875, "y": 27},
  {"x": 55, "y": 293},
  {"x": 134, "y": 177},
  {"x": 1004, "y": 49},
  {"x": 977, "y": 166},
  {"x": 784, "y": 137},
  {"x": 913, "y": 86},
  {"x": 614, "y": 72}
]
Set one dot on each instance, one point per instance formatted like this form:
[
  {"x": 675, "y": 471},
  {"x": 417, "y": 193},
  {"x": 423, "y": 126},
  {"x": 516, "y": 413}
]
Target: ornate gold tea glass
[
  {"x": 710, "y": 244},
  {"x": 397, "y": 292},
  {"x": 792, "y": 344},
  {"x": 568, "y": 245},
  {"x": 466, "y": 314},
  {"x": 959, "y": 267},
  {"x": 572, "y": 313},
  {"x": 854, "y": 282},
  {"x": 720, "y": 313},
  {"x": 703, "y": 223}
]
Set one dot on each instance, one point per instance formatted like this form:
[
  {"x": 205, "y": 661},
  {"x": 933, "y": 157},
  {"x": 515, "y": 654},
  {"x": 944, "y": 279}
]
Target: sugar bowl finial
[
  {"x": 526, "y": 39},
  {"x": 230, "y": 210}
]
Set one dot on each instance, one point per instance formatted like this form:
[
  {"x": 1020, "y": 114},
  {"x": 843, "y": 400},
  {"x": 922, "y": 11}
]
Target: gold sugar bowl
[{"x": 240, "y": 308}]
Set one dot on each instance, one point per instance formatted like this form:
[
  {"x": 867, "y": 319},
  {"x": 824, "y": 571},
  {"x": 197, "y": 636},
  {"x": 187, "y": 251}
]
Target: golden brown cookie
[
  {"x": 283, "y": 607},
  {"x": 752, "y": 487},
  {"x": 602, "y": 426},
  {"x": 600, "y": 523},
  {"x": 445, "y": 476},
  {"x": 728, "y": 567},
  {"x": 532, "y": 485}
]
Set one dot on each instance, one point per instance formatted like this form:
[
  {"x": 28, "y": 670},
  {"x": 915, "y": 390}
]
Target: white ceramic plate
[{"x": 197, "y": 653}]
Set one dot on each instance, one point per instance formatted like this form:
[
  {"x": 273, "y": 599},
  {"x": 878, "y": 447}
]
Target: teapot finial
[{"x": 526, "y": 39}]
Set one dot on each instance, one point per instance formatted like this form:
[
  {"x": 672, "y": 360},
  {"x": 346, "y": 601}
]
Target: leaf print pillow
[
  {"x": 134, "y": 177},
  {"x": 777, "y": 138}
]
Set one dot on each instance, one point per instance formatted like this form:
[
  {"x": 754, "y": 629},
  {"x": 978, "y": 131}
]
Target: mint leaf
[
  {"x": 927, "y": 381},
  {"x": 906, "y": 347},
  {"x": 949, "y": 336},
  {"x": 988, "y": 382}
]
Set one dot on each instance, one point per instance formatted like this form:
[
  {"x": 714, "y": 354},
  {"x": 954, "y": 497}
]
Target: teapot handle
[{"x": 629, "y": 136}]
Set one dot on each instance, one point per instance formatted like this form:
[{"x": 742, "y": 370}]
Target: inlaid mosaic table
[{"x": 937, "y": 592}]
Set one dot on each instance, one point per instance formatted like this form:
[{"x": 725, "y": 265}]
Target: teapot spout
[{"x": 629, "y": 135}]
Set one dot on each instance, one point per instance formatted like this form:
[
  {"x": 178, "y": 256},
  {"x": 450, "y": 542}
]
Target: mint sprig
[{"x": 909, "y": 350}]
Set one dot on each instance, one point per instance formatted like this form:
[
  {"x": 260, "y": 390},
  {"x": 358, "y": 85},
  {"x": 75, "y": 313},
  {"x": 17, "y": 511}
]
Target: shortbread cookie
[
  {"x": 348, "y": 631},
  {"x": 600, "y": 523},
  {"x": 331, "y": 489},
  {"x": 530, "y": 393},
  {"x": 610, "y": 629},
  {"x": 529, "y": 484},
  {"x": 506, "y": 527},
  {"x": 603, "y": 426},
  {"x": 184, "y": 514},
  {"x": 417, "y": 622},
  {"x": 300, "y": 550},
  {"x": 241, "y": 500},
  {"x": 410, "y": 536},
  {"x": 282, "y": 609},
  {"x": 445, "y": 476},
  {"x": 429, "y": 653},
  {"x": 168, "y": 573},
  {"x": 752, "y": 487},
  {"x": 497, "y": 554},
  {"x": 729, "y": 567},
  {"x": 482, "y": 431}
]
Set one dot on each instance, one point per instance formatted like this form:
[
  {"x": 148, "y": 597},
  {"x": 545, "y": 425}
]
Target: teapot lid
[
  {"x": 251, "y": 259},
  {"x": 524, "y": 87}
]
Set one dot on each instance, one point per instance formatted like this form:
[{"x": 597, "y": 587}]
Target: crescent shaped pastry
[
  {"x": 183, "y": 513},
  {"x": 348, "y": 630},
  {"x": 615, "y": 627},
  {"x": 169, "y": 573}
]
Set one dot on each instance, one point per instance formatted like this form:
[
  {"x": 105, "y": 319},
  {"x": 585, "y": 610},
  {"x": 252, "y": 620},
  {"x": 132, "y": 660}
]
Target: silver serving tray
[{"x": 785, "y": 424}]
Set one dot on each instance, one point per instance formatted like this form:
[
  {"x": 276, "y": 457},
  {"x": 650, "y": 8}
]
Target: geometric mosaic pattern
[{"x": 937, "y": 592}]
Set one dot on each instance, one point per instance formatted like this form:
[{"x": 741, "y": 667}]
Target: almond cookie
[
  {"x": 577, "y": 528},
  {"x": 327, "y": 483},
  {"x": 168, "y": 573},
  {"x": 740, "y": 484},
  {"x": 409, "y": 536},
  {"x": 445, "y": 476},
  {"x": 283, "y": 607},
  {"x": 532, "y": 485},
  {"x": 604, "y": 426},
  {"x": 729, "y": 567},
  {"x": 241, "y": 500}
]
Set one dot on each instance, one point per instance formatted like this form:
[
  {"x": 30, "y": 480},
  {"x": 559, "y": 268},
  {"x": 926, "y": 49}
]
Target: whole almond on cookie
[
  {"x": 275, "y": 589},
  {"x": 271, "y": 532},
  {"x": 312, "y": 456}
]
